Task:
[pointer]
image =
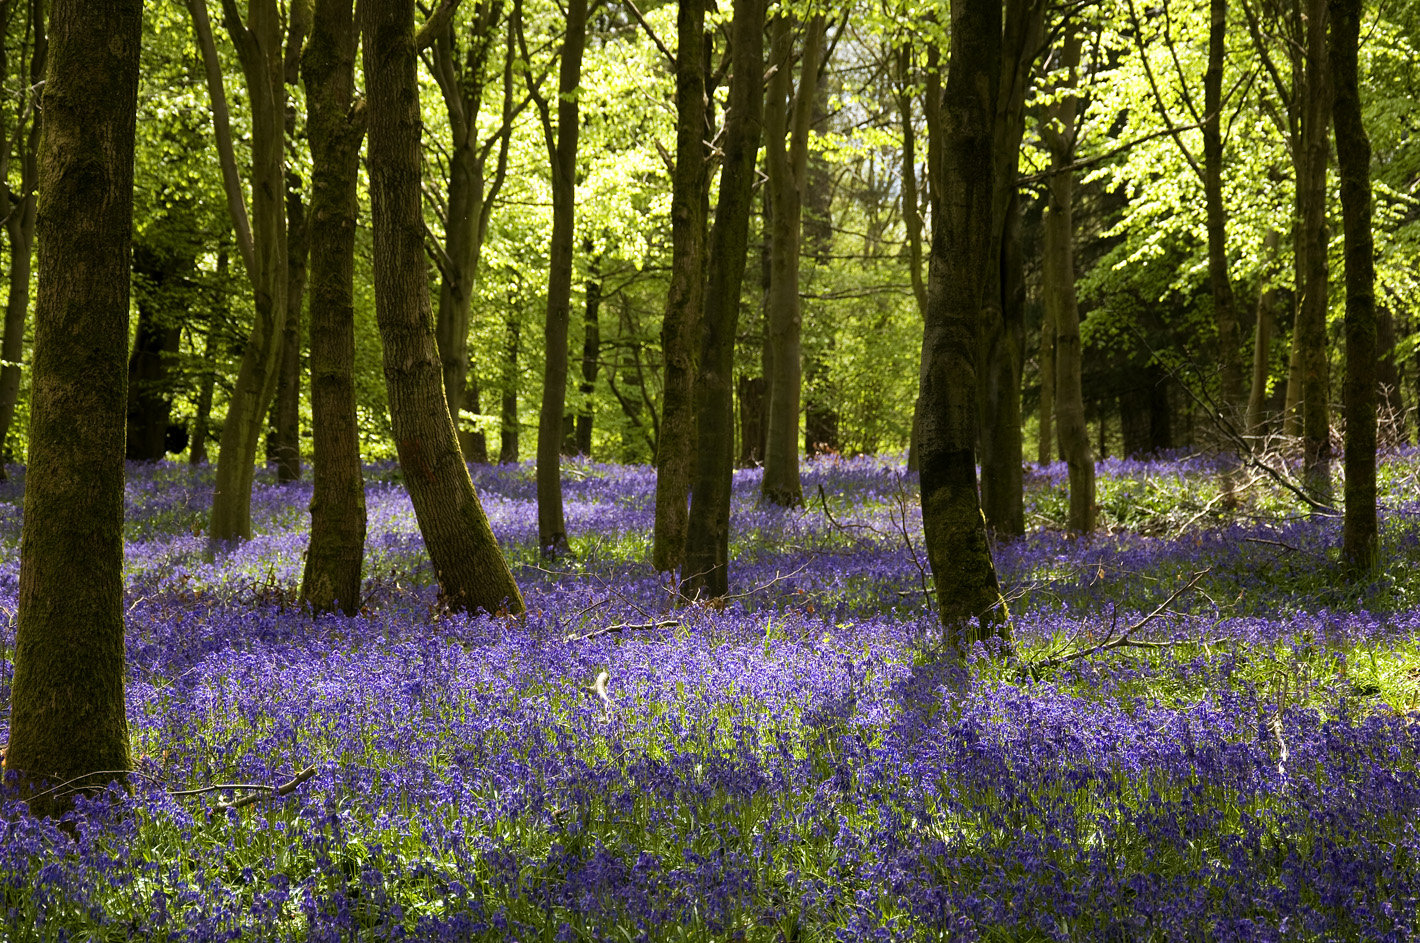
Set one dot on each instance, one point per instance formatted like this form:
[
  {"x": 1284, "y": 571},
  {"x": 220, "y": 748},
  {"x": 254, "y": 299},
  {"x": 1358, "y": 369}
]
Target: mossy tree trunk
[
  {"x": 336, "y": 126},
  {"x": 968, "y": 595},
  {"x": 705, "y": 570},
  {"x": 67, "y": 718},
  {"x": 471, "y": 571}
]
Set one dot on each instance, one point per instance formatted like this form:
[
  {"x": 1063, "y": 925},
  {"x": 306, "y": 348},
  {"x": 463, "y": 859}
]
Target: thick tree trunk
[
  {"x": 751, "y": 393},
  {"x": 1310, "y": 162},
  {"x": 471, "y": 571},
  {"x": 1225, "y": 316},
  {"x": 591, "y": 354},
  {"x": 67, "y": 715},
  {"x": 705, "y": 570},
  {"x": 1059, "y": 132},
  {"x": 262, "y": 242},
  {"x": 285, "y": 447},
  {"x": 562, "y": 155},
  {"x": 508, "y": 414},
  {"x": 1359, "y": 540},
  {"x": 685, "y": 300},
  {"x": 1262, "y": 343},
  {"x": 968, "y": 595},
  {"x": 786, "y": 145},
  {"x": 336, "y": 126},
  {"x": 155, "y": 344}
]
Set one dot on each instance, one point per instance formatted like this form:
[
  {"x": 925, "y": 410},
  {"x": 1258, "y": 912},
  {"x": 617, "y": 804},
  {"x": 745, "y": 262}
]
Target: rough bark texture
[
  {"x": 562, "y": 155},
  {"x": 968, "y": 596},
  {"x": 685, "y": 300},
  {"x": 705, "y": 571},
  {"x": 336, "y": 126},
  {"x": 1002, "y": 324},
  {"x": 1262, "y": 342},
  {"x": 1359, "y": 542},
  {"x": 262, "y": 242},
  {"x": 471, "y": 571},
  {"x": 1058, "y": 265},
  {"x": 786, "y": 147},
  {"x": 67, "y": 717},
  {"x": 1225, "y": 316},
  {"x": 284, "y": 449},
  {"x": 1310, "y": 162}
]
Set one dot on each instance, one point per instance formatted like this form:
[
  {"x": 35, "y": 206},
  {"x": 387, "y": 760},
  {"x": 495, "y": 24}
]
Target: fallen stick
[
  {"x": 272, "y": 792},
  {"x": 624, "y": 627}
]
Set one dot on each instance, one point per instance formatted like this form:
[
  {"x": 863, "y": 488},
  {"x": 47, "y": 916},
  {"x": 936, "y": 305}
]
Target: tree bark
[
  {"x": 471, "y": 571},
  {"x": 685, "y": 300},
  {"x": 67, "y": 715},
  {"x": 1359, "y": 540},
  {"x": 197, "y": 448},
  {"x": 591, "y": 352},
  {"x": 285, "y": 447},
  {"x": 562, "y": 157},
  {"x": 155, "y": 344},
  {"x": 1262, "y": 341},
  {"x": 786, "y": 146},
  {"x": 1309, "y": 162},
  {"x": 1393, "y": 430},
  {"x": 705, "y": 570},
  {"x": 1059, "y": 132},
  {"x": 968, "y": 596},
  {"x": 508, "y": 415},
  {"x": 1225, "y": 314},
  {"x": 262, "y": 242},
  {"x": 335, "y": 124}
]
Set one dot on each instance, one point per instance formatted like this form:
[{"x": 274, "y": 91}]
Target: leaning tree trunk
[
  {"x": 675, "y": 448},
  {"x": 787, "y": 164},
  {"x": 1059, "y": 131},
  {"x": 1309, "y": 162},
  {"x": 471, "y": 571},
  {"x": 562, "y": 155},
  {"x": 968, "y": 596},
  {"x": 262, "y": 241},
  {"x": 1353, "y": 158},
  {"x": 286, "y": 411},
  {"x": 335, "y": 125},
  {"x": 67, "y": 718},
  {"x": 705, "y": 570}
]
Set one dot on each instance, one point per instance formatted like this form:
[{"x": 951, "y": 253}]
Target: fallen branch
[
  {"x": 1123, "y": 639},
  {"x": 1284, "y": 546},
  {"x": 272, "y": 792},
  {"x": 624, "y": 627}
]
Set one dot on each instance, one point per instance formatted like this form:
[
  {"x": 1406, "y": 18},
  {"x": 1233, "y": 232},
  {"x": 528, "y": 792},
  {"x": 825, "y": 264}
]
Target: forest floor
[{"x": 800, "y": 763}]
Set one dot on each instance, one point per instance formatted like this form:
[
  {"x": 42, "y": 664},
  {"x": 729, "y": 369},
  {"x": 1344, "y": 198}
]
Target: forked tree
[
  {"x": 68, "y": 727},
  {"x": 470, "y": 568}
]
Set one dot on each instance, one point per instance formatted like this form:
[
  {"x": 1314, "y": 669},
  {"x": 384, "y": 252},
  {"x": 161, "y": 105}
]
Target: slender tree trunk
[
  {"x": 197, "y": 448},
  {"x": 286, "y": 411},
  {"x": 1059, "y": 132},
  {"x": 262, "y": 242},
  {"x": 562, "y": 155},
  {"x": 675, "y": 449},
  {"x": 336, "y": 126},
  {"x": 1393, "y": 432},
  {"x": 1224, "y": 305},
  {"x": 67, "y": 714},
  {"x": 591, "y": 352},
  {"x": 1045, "y": 448},
  {"x": 1359, "y": 540},
  {"x": 911, "y": 214},
  {"x": 968, "y": 596},
  {"x": 786, "y": 145},
  {"x": 1262, "y": 341},
  {"x": 1310, "y": 162},
  {"x": 508, "y": 416},
  {"x": 705, "y": 570},
  {"x": 471, "y": 571},
  {"x": 155, "y": 344}
]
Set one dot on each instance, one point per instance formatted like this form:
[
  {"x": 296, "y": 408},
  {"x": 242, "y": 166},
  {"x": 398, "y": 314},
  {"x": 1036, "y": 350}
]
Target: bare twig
[
  {"x": 624, "y": 627},
  {"x": 272, "y": 792}
]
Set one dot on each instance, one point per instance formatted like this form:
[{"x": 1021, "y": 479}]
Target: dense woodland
[{"x": 827, "y": 371}]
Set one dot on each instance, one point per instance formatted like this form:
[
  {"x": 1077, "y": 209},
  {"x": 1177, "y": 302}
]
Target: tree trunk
[
  {"x": 968, "y": 597},
  {"x": 1310, "y": 162},
  {"x": 508, "y": 415},
  {"x": 591, "y": 353},
  {"x": 751, "y": 394},
  {"x": 1393, "y": 430},
  {"x": 562, "y": 156},
  {"x": 1045, "y": 447},
  {"x": 286, "y": 411},
  {"x": 155, "y": 343},
  {"x": 705, "y": 570},
  {"x": 197, "y": 449},
  {"x": 1224, "y": 306},
  {"x": 911, "y": 213},
  {"x": 336, "y": 126},
  {"x": 1262, "y": 342},
  {"x": 1359, "y": 541},
  {"x": 67, "y": 715},
  {"x": 471, "y": 571},
  {"x": 1058, "y": 272},
  {"x": 786, "y": 145},
  {"x": 685, "y": 300},
  {"x": 262, "y": 242}
]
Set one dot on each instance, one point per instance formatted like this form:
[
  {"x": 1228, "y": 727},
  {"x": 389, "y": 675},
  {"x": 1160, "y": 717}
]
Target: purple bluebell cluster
[{"x": 799, "y": 763}]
